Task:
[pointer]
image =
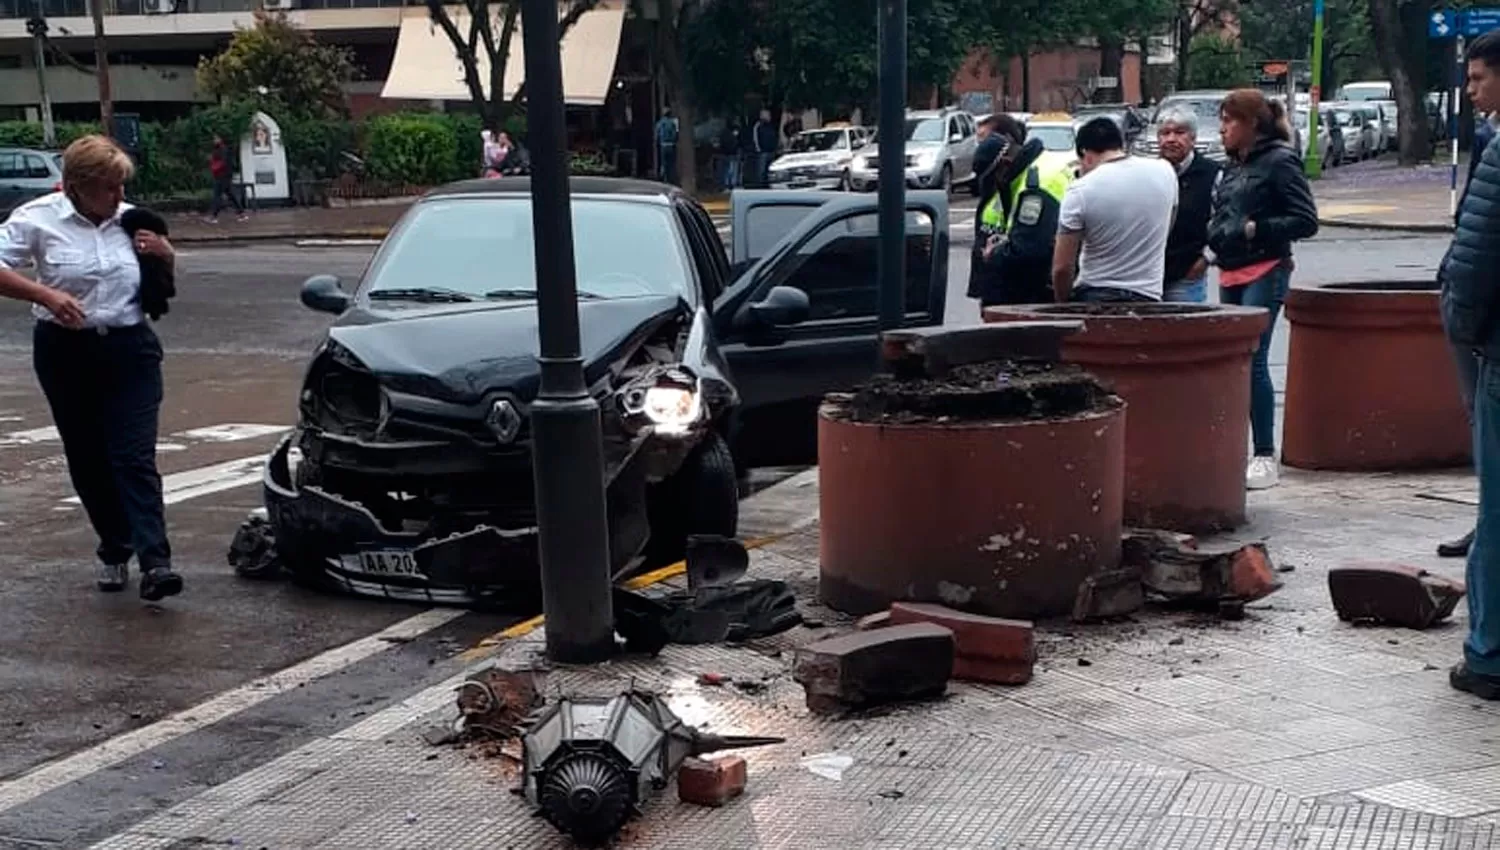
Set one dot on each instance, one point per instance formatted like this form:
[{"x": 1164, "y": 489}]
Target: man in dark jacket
[
  {"x": 1187, "y": 270},
  {"x": 1470, "y": 276}
]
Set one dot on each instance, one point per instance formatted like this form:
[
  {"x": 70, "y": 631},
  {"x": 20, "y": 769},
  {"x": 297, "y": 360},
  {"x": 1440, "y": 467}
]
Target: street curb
[{"x": 1396, "y": 227}]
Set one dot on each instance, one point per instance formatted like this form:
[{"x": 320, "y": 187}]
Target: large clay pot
[
  {"x": 1371, "y": 383},
  {"x": 1004, "y": 518},
  {"x": 1184, "y": 369}
]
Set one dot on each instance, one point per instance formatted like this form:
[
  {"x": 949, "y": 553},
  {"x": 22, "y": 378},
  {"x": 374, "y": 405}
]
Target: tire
[
  {"x": 701, "y": 498},
  {"x": 945, "y": 181},
  {"x": 844, "y": 185}
]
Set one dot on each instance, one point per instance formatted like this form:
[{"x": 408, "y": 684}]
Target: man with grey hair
[{"x": 1187, "y": 270}]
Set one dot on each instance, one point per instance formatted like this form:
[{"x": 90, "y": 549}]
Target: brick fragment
[
  {"x": 877, "y": 620},
  {"x": 861, "y": 669},
  {"x": 1252, "y": 576},
  {"x": 986, "y": 649},
  {"x": 1112, "y": 593},
  {"x": 711, "y": 782},
  {"x": 1392, "y": 594}
]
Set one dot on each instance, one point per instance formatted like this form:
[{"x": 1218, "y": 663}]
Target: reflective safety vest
[
  {"x": 1054, "y": 181},
  {"x": 1035, "y": 206}
]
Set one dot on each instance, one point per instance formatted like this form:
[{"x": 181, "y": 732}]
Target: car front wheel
[{"x": 702, "y": 497}]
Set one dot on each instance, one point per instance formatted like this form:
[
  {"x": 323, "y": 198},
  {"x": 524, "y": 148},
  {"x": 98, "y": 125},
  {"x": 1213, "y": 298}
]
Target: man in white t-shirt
[{"x": 1117, "y": 216}]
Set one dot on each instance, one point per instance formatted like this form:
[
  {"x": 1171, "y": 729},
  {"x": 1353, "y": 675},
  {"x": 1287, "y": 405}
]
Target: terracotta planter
[
  {"x": 1004, "y": 518},
  {"x": 1184, "y": 369},
  {"x": 1371, "y": 383}
]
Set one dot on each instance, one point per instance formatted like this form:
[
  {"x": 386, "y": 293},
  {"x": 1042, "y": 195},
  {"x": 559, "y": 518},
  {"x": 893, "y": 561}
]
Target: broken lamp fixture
[{"x": 587, "y": 763}]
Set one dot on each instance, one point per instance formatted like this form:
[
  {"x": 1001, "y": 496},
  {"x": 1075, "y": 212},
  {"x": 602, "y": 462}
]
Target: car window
[
  {"x": 968, "y": 122},
  {"x": 707, "y": 249},
  {"x": 480, "y": 245},
  {"x": 767, "y": 224},
  {"x": 819, "y": 140},
  {"x": 10, "y": 166},
  {"x": 925, "y": 129},
  {"x": 1053, "y": 138},
  {"x": 37, "y": 167},
  {"x": 837, "y": 267},
  {"x": 1204, "y": 108}
]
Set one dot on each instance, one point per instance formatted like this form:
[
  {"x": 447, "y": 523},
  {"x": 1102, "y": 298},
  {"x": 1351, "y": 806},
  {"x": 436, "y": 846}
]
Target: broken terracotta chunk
[
  {"x": 711, "y": 782},
  {"x": 1112, "y": 593},
  {"x": 1178, "y": 571},
  {"x": 862, "y": 669},
  {"x": 985, "y": 649},
  {"x": 1392, "y": 594}
]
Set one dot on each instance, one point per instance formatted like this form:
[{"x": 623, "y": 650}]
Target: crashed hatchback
[{"x": 409, "y": 473}]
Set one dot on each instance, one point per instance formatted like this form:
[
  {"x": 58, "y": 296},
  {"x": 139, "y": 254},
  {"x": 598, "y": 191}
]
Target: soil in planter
[
  {"x": 1126, "y": 308},
  {"x": 993, "y": 391}
]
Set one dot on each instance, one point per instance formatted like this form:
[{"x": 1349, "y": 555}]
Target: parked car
[
  {"x": 819, "y": 159},
  {"x": 1131, "y": 121},
  {"x": 1366, "y": 90},
  {"x": 939, "y": 152},
  {"x": 26, "y": 174},
  {"x": 1337, "y": 154},
  {"x": 1058, "y": 133},
  {"x": 1205, "y": 105},
  {"x": 1381, "y": 126},
  {"x": 408, "y": 474},
  {"x": 1361, "y": 138},
  {"x": 1325, "y": 138}
]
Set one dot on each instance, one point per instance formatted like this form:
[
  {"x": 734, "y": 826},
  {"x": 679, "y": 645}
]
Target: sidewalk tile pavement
[{"x": 1174, "y": 731}]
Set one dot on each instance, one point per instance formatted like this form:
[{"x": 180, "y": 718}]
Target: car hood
[
  {"x": 460, "y": 352},
  {"x": 792, "y": 160},
  {"x": 912, "y": 148}
]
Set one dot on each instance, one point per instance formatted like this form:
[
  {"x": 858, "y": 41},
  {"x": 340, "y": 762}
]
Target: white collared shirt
[{"x": 95, "y": 264}]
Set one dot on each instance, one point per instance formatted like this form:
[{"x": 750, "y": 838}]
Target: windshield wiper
[
  {"x": 530, "y": 294},
  {"x": 434, "y": 294}
]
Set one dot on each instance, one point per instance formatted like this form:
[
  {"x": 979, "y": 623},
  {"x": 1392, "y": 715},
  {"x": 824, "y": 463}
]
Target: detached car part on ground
[{"x": 409, "y": 474}]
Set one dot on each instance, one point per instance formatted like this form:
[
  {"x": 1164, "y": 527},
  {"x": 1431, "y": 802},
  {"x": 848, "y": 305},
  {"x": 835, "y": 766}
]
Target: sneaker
[
  {"x": 1262, "y": 473},
  {"x": 1456, "y": 548},
  {"x": 244, "y": 216},
  {"x": 1461, "y": 678},
  {"x": 159, "y": 583},
  {"x": 210, "y": 219},
  {"x": 113, "y": 578}
]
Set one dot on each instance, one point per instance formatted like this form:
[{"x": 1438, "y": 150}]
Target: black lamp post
[
  {"x": 566, "y": 439},
  {"x": 892, "y": 217}
]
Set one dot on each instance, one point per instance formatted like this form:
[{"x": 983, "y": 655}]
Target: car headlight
[{"x": 672, "y": 408}]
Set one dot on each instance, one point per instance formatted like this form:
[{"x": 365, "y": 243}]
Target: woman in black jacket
[{"x": 1261, "y": 206}]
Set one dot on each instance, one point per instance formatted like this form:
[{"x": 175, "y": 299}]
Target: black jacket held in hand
[
  {"x": 1470, "y": 273},
  {"x": 1269, "y": 189},
  {"x": 1195, "y": 202},
  {"x": 158, "y": 279}
]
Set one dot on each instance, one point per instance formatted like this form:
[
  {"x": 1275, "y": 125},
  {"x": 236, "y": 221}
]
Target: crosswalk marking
[
  {"x": 205, "y": 481},
  {"x": 225, "y": 433},
  {"x": 31, "y": 437}
]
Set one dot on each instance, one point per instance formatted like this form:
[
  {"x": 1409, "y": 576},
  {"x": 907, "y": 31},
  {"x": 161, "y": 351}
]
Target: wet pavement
[{"x": 86, "y": 679}]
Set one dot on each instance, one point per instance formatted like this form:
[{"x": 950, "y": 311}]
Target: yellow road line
[{"x": 526, "y": 627}]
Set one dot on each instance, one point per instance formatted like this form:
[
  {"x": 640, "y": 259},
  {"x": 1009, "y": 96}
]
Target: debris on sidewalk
[
  {"x": 735, "y": 613},
  {"x": 864, "y": 669},
  {"x": 985, "y": 649},
  {"x": 935, "y": 351},
  {"x": 1392, "y": 594},
  {"x": 1108, "y": 595},
  {"x": 495, "y": 702},
  {"x": 252, "y": 552},
  {"x": 711, "y": 782},
  {"x": 588, "y": 763},
  {"x": 828, "y": 765},
  {"x": 1177, "y": 571},
  {"x": 877, "y": 620},
  {"x": 713, "y": 561}
]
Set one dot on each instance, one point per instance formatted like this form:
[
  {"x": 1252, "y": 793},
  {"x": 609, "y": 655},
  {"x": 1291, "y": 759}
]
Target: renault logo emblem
[{"x": 503, "y": 421}]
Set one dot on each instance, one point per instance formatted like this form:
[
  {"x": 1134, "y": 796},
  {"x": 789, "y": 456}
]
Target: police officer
[{"x": 1017, "y": 223}]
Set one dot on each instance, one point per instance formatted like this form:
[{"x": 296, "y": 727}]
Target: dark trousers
[
  {"x": 224, "y": 188},
  {"x": 105, "y": 391},
  {"x": 1109, "y": 295}
]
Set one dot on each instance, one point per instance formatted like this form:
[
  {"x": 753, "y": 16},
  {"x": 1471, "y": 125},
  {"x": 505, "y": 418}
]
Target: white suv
[{"x": 939, "y": 152}]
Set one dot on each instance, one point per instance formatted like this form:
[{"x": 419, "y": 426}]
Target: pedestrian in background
[
  {"x": 97, "y": 358},
  {"x": 729, "y": 154},
  {"x": 1468, "y": 364},
  {"x": 221, "y": 172},
  {"x": 763, "y": 136},
  {"x": 666, "y": 147},
  {"x": 1470, "y": 279},
  {"x": 1112, "y": 231},
  {"x": 1262, "y": 204},
  {"x": 1187, "y": 270}
]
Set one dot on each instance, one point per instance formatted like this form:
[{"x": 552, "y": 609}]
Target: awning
[{"x": 426, "y": 67}]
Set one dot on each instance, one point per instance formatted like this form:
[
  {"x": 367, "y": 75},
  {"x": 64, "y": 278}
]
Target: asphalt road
[{"x": 79, "y": 669}]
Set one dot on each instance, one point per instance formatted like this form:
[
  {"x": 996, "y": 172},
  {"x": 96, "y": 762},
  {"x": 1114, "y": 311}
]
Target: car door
[
  {"x": 783, "y": 372},
  {"x": 12, "y": 177},
  {"x": 759, "y": 218}
]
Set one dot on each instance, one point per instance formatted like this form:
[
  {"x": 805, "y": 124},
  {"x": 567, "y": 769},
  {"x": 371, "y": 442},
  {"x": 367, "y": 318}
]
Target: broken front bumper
[{"x": 316, "y": 529}]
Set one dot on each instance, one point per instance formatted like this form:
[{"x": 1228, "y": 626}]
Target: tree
[
  {"x": 1215, "y": 62},
  {"x": 1196, "y": 18},
  {"x": 481, "y": 34},
  {"x": 1272, "y": 29},
  {"x": 1399, "y": 28},
  {"x": 1124, "y": 22},
  {"x": 282, "y": 68}
]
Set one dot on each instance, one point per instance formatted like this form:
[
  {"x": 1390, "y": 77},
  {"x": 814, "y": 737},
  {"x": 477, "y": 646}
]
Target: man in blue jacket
[{"x": 1470, "y": 277}]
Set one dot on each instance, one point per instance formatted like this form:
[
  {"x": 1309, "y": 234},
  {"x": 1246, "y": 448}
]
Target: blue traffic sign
[
  {"x": 1441, "y": 24},
  {"x": 1480, "y": 21}
]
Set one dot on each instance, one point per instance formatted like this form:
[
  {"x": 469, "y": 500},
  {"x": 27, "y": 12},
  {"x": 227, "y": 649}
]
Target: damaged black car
[{"x": 409, "y": 472}]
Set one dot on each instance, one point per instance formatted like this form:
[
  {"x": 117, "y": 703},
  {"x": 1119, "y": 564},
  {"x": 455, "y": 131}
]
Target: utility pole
[
  {"x": 566, "y": 441},
  {"x": 37, "y": 26},
  {"x": 1313, "y": 162},
  {"x": 101, "y": 68},
  {"x": 891, "y": 269}
]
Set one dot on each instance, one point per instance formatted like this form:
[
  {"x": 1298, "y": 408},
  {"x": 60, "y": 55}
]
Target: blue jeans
[
  {"x": 1268, "y": 291},
  {"x": 729, "y": 171},
  {"x": 1482, "y": 647},
  {"x": 1193, "y": 291}
]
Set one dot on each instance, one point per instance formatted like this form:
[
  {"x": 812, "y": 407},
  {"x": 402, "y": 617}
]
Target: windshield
[
  {"x": 1053, "y": 138},
  {"x": 483, "y": 247},
  {"x": 1366, "y": 92},
  {"x": 1345, "y": 119},
  {"x": 1204, "y": 108},
  {"x": 819, "y": 140},
  {"x": 925, "y": 130}
]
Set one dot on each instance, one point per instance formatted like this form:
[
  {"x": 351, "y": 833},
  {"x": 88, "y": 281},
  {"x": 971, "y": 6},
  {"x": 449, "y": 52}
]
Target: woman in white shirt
[{"x": 96, "y": 356}]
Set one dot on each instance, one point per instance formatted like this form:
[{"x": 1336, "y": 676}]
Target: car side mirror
[
  {"x": 956, "y": 138},
  {"x": 782, "y": 306},
  {"x": 324, "y": 293}
]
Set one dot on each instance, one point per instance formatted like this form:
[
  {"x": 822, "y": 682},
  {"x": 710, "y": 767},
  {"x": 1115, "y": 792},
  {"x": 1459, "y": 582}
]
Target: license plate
[{"x": 391, "y": 562}]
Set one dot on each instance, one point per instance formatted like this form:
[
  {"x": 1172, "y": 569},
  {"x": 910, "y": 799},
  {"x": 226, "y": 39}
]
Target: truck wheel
[{"x": 701, "y": 498}]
